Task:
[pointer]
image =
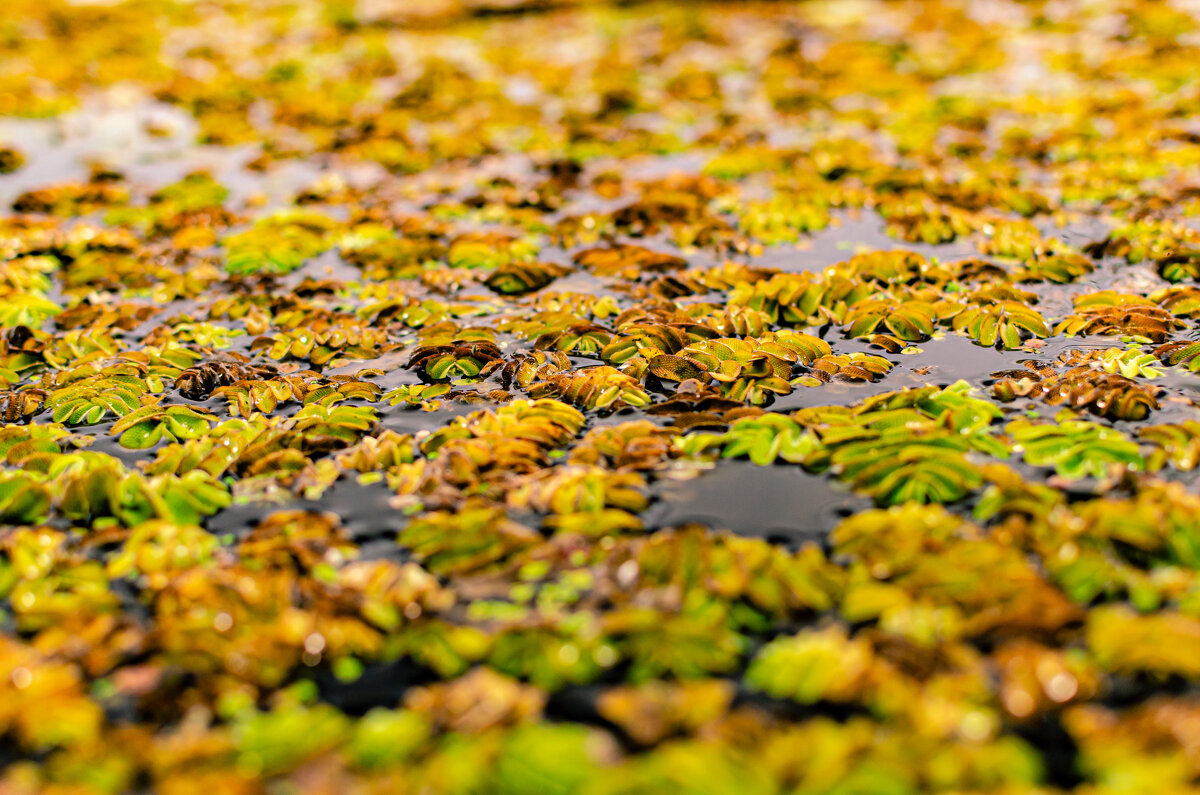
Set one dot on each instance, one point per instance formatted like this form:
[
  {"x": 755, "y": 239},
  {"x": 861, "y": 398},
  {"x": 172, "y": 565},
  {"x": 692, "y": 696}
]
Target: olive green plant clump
[{"x": 489, "y": 396}]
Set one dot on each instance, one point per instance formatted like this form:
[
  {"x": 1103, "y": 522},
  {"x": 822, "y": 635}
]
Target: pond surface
[{"x": 584, "y": 397}]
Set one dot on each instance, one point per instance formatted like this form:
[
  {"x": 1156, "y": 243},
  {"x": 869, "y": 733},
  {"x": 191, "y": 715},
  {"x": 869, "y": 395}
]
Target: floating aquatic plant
[{"x": 679, "y": 291}]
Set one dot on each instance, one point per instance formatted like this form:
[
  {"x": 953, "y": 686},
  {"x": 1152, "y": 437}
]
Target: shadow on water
[
  {"x": 379, "y": 685},
  {"x": 364, "y": 510},
  {"x": 781, "y": 503}
]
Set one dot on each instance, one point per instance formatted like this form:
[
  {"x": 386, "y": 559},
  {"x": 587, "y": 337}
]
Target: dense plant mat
[{"x": 568, "y": 397}]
